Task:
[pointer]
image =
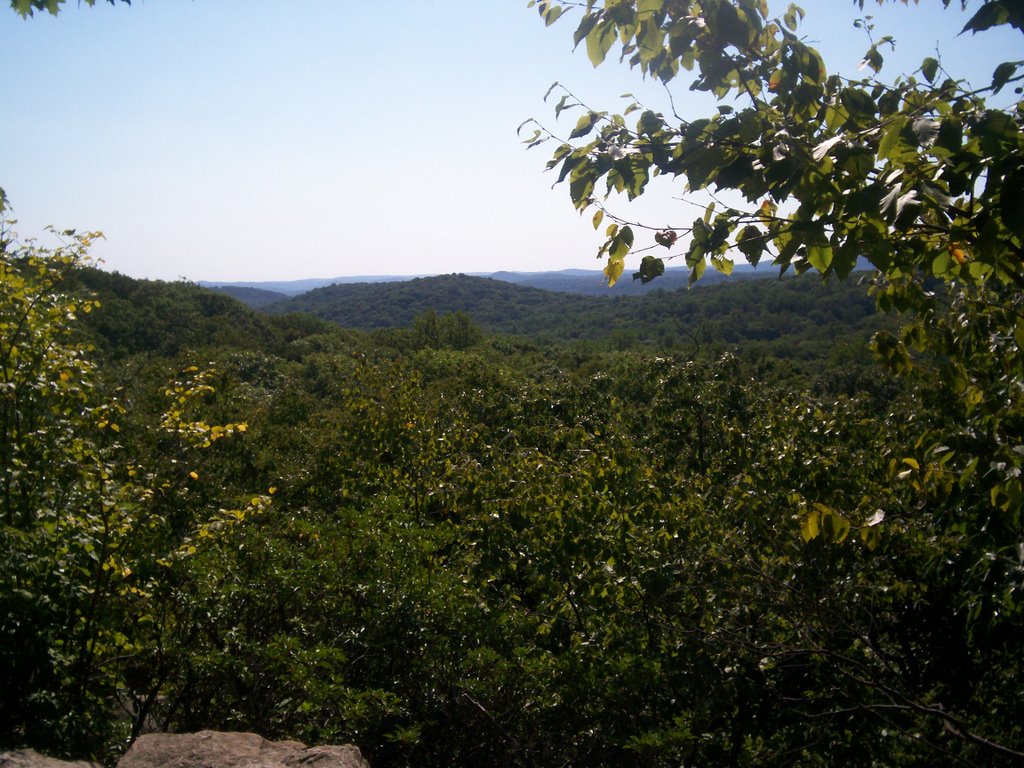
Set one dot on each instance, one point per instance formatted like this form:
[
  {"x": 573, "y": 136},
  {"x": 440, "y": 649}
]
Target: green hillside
[
  {"x": 253, "y": 297},
  {"x": 491, "y": 303},
  {"x": 785, "y": 316}
]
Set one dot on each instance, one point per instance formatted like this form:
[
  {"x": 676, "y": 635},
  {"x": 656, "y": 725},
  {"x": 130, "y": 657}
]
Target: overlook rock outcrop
[
  {"x": 29, "y": 758},
  {"x": 207, "y": 749}
]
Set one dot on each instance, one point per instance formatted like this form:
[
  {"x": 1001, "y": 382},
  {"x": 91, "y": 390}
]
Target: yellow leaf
[
  {"x": 871, "y": 536},
  {"x": 809, "y": 527},
  {"x": 613, "y": 271},
  {"x": 193, "y": 475},
  {"x": 835, "y": 527}
]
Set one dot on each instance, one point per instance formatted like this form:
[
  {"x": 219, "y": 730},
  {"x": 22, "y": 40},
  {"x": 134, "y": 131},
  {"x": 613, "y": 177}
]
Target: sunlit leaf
[{"x": 613, "y": 270}]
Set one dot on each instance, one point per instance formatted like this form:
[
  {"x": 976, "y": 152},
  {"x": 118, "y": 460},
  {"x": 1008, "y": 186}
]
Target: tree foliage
[
  {"x": 918, "y": 175},
  {"x": 90, "y": 531},
  {"x": 505, "y": 554}
]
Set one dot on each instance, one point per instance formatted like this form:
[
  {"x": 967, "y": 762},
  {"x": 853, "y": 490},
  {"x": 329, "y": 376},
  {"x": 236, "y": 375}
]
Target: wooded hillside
[{"x": 786, "y": 316}]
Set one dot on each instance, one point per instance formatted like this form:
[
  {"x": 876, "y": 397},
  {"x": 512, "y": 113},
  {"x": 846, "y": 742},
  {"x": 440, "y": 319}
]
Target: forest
[
  {"x": 783, "y": 316},
  {"x": 457, "y": 547},
  {"x": 767, "y": 522}
]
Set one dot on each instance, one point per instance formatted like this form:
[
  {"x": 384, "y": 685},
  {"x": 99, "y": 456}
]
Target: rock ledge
[{"x": 207, "y": 749}]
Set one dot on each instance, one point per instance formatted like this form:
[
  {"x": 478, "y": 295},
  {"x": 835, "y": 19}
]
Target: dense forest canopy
[
  {"x": 456, "y": 547},
  {"x": 456, "y": 550}
]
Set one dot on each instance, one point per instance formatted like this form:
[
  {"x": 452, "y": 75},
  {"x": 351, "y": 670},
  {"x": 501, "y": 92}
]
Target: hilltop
[{"x": 780, "y": 314}]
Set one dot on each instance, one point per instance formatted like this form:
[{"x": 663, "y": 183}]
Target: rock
[
  {"x": 217, "y": 749},
  {"x": 29, "y": 758}
]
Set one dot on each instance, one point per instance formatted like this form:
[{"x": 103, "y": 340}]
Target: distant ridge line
[{"x": 580, "y": 281}]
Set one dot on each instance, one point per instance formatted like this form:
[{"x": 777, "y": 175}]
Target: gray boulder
[
  {"x": 29, "y": 758},
  {"x": 217, "y": 749}
]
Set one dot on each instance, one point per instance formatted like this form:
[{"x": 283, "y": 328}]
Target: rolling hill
[{"x": 784, "y": 316}]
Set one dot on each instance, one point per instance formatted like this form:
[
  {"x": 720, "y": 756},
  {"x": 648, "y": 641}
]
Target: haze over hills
[
  {"x": 587, "y": 282},
  {"x": 590, "y": 282},
  {"x": 295, "y": 287},
  {"x": 254, "y": 297}
]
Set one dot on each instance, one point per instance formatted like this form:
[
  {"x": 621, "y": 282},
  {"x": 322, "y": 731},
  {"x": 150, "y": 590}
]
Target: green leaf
[
  {"x": 621, "y": 243},
  {"x": 794, "y": 14},
  {"x": 820, "y": 256},
  {"x": 650, "y": 268},
  {"x": 563, "y": 104},
  {"x": 552, "y": 14},
  {"x": 930, "y": 68},
  {"x": 697, "y": 268},
  {"x": 709, "y": 211},
  {"x": 1011, "y": 202},
  {"x": 581, "y": 184},
  {"x": 586, "y": 24},
  {"x": 751, "y": 242},
  {"x": 585, "y": 124},
  {"x": 861, "y": 106},
  {"x": 996, "y": 13},
  {"x": 599, "y": 41},
  {"x": 1003, "y": 73},
  {"x": 722, "y": 264},
  {"x": 873, "y": 59},
  {"x": 891, "y": 138},
  {"x": 729, "y": 25},
  {"x": 568, "y": 167},
  {"x": 836, "y": 116},
  {"x": 649, "y": 123}
]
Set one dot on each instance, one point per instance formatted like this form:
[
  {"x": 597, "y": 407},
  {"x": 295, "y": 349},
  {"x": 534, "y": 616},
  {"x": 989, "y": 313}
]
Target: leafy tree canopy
[{"x": 918, "y": 175}]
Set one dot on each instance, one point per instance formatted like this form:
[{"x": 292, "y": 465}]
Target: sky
[{"x": 248, "y": 140}]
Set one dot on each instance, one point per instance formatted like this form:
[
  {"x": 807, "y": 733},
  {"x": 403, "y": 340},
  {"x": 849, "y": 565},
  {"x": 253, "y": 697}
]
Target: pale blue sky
[{"x": 260, "y": 140}]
